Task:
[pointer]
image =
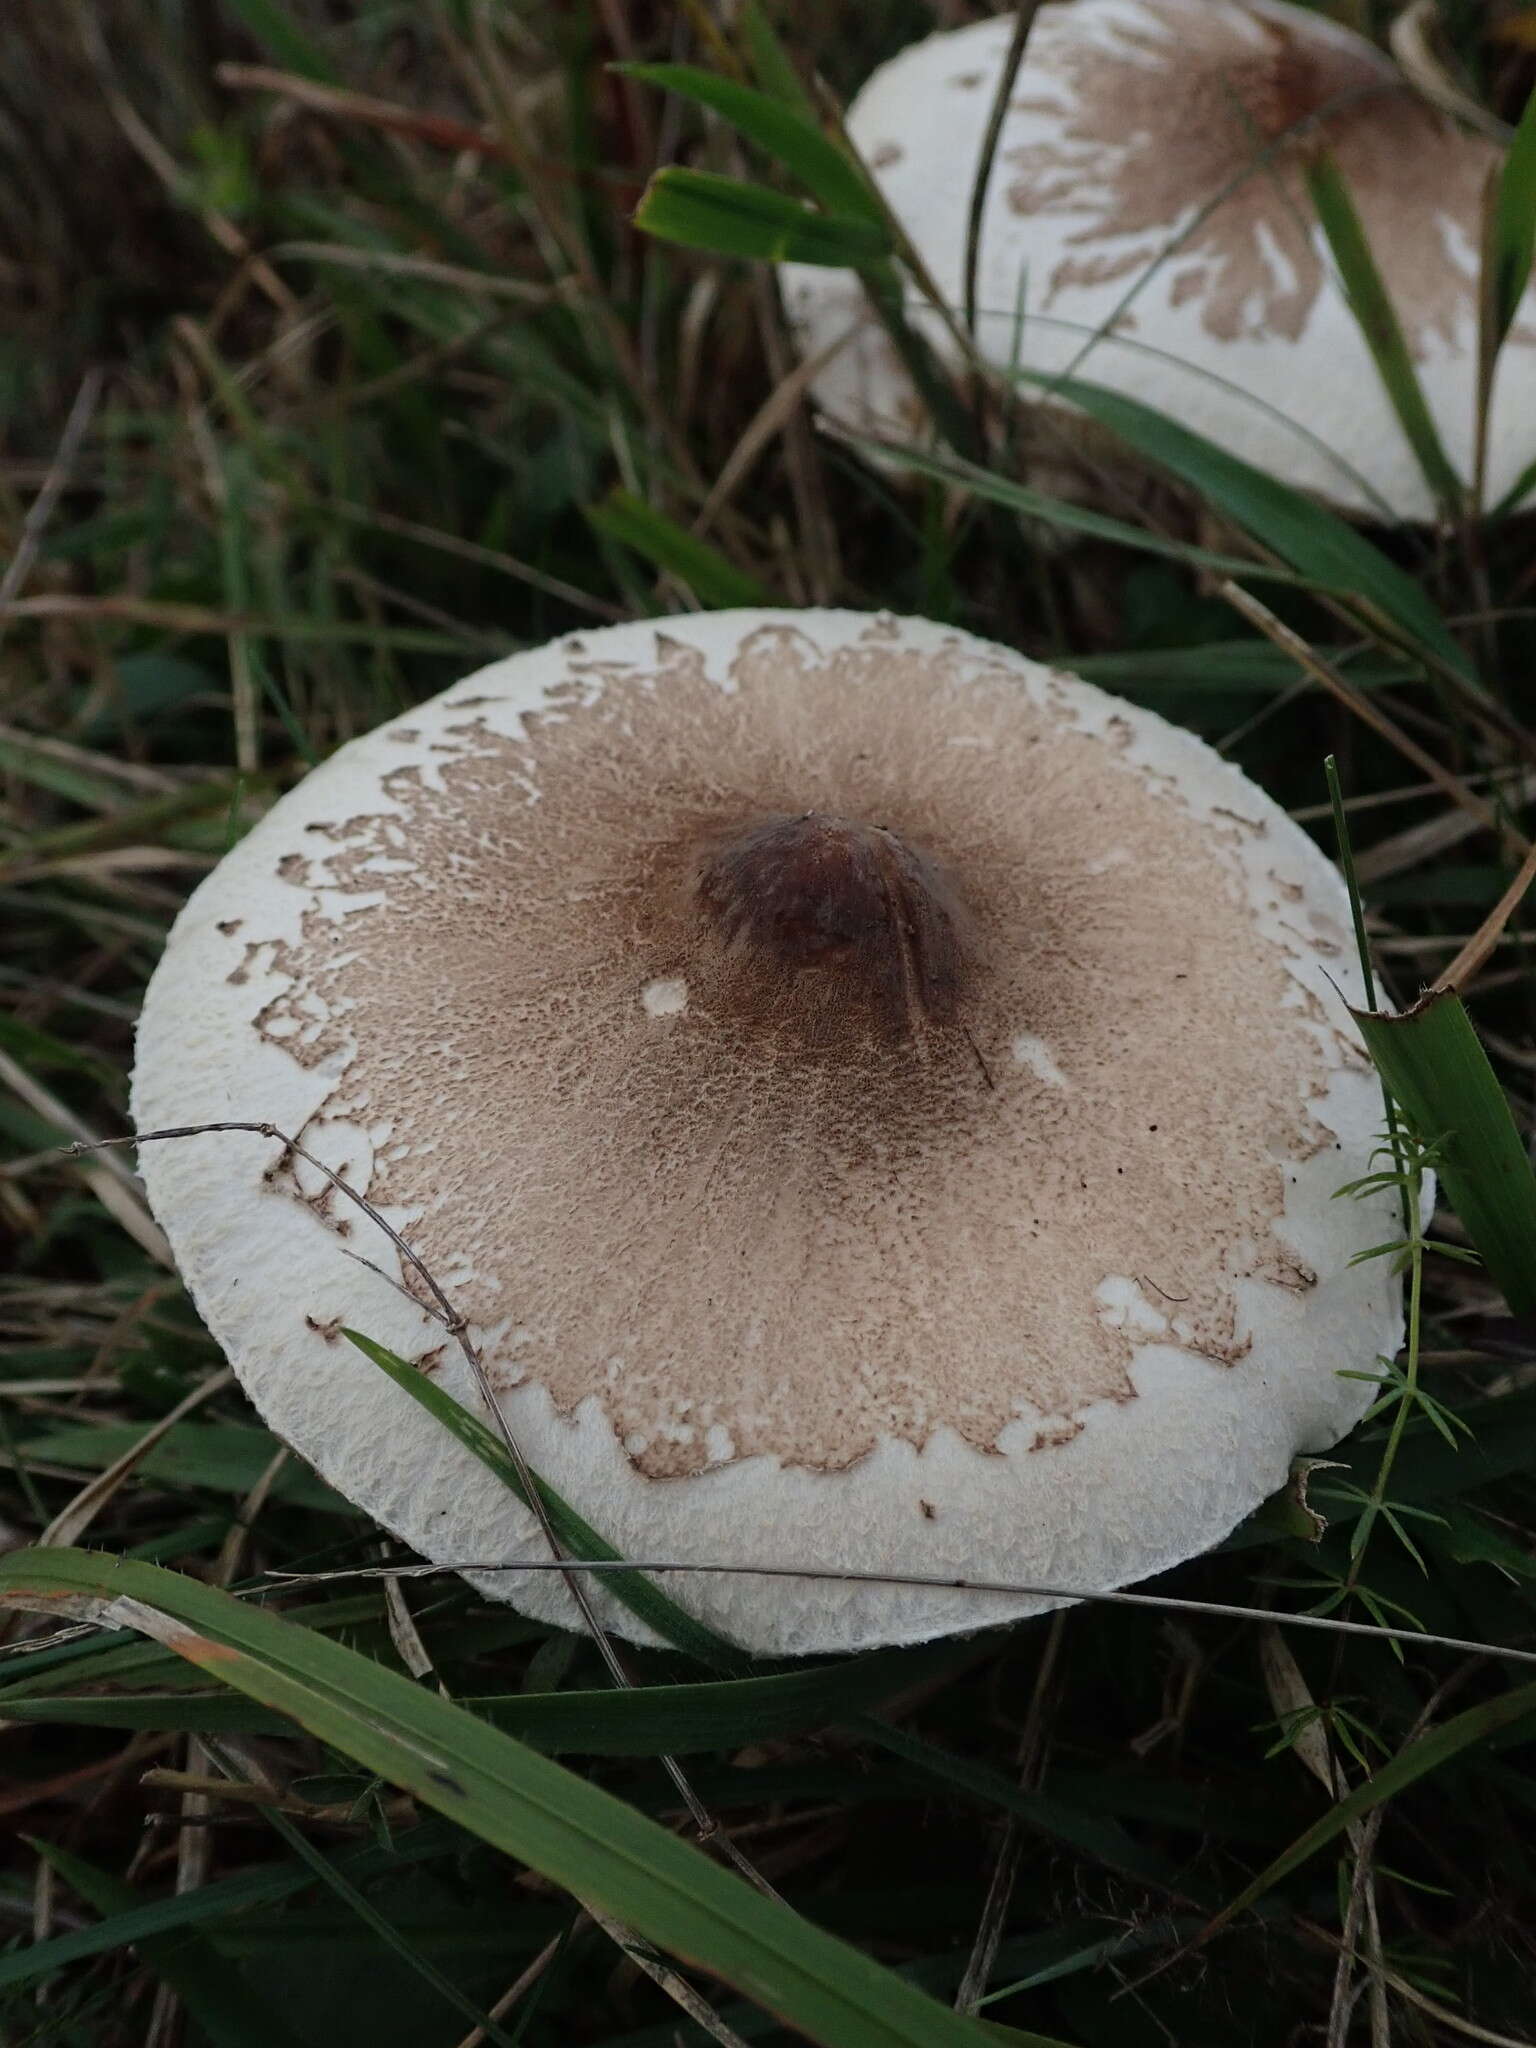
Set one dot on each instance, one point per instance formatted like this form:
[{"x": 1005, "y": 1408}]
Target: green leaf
[
  {"x": 97, "y": 1660},
  {"x": 715, "y": 582},
  {"x": 1375, "y": 315},
  {"x": 1469, "y": 1538},
  {"x": 1410, "y": 1764},
  {"x": 226, "y": 1457},
  {"x": 1225, "y": 668},
  {"x": 729, "y": 217},
  {"x": 147, "y": 684},
  {"x": 1518, "y": 491},
  {"x": 580, "y": 1539},
  {"x": 649, "y": 1720},
  {"x": 383, "y": 1929},
  {"x": 246, "y": 1891},
  {"x": 771, "y": 63},
  {"x": 1094, "y": 1835},
  {"x": 787, "y": 136},
  {"x": 1513, "y": 235},
  {"x": 273, "y": 27},
  {"x": 1432, "y": 1061},
  {"x": 1002, "y": 490},
  {"x": 575, "y": 1834},
  {"x": 1314, "y": 541},
  {"x": 225, "y": 2003},
  {"x": 29, "y": 763}
]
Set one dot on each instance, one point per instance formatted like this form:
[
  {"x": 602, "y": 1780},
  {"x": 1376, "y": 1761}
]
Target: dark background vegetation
[{"x": 360, "y": 372}]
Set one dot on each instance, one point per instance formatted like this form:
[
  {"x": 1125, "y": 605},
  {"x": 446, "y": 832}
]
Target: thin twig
[
  {"x": 110, "y": 1183},
  {"x": 1307, "y": 657},
  {"x": 1005, "y": 1871},
  {"x": 1491, "y": 930},
  {"x": 523, "y": 1984},
  {"x": 40, "y": 511},
  {"x": 1165, "y": 1603}
]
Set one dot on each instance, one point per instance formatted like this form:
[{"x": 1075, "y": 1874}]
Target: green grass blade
[
  {"x": 1513, "y": 238},
  {"x": 247, "y": 1891},
  {"x": 227, "y": 2006},
  {"x": 384, "y": 1930},
  {"x": 657, "y": 1720},
  {"x": 729, "y": 217},
  {"x": 1409, "y": 1765},
  {"x": 187, "y": 1713},
  {"x": 632, "y": 1589},
  {"x": 1313, "y": 540},
  {"x": 771, "y": 63},
  {"x": 1236, "y": 668},
  {"x": 716, "y": 583},
  {"x": 224, "y": 1457},
  {"x": 1376, "y": 316},
  {"x": 791, "y": 140},
  {"x": 650, "y": 1720},
  {"x": 274, "y": 28},
  {"x": 1061, "y": 512},
  {"x": 94, "y": 1660},
  {"x": 575, "y": 1834},
  {"x": 1433, "y": 1062},
  {"x": 1095, "y": 1835},
  {"x": 1518, "y": 491}
]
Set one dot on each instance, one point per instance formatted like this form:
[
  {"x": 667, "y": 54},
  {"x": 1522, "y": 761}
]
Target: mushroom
[
  {"x": 877, "y": 1101},
  {"x": 1147, "y": 225}
]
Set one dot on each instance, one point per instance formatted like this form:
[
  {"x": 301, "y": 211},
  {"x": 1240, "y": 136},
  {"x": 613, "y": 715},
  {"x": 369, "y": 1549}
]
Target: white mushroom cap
[
  {"x": 877, "y": 1100},
  {"x": 1140, "y": 183}
]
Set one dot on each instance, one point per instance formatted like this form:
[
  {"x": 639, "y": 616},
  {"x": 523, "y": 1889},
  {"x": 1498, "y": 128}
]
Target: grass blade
[
  {"x": 1433, "y": 1062},
  {"x": 1095, "y": 1835},
  {"x": 1313, "y": 540},
  {"x": 274, "y": 29},
  {"x": 650, "y": 1720},
  {"x": 1410, "y": 1764},
  {"x": 826, "y": 173},
  {"x": 1002, "y": 490},
  {"x": 248, "y": 1891},
  {"x": 579, "y": 1836},
  {"x": 228, "y": 2008},
  {"x": 771, "y": 64},
  {"x": 223, "y": 1457},
  {"x": 636, "y": 1592},
  {"x": 729, "y": 217},
  {"x": 715, "y": 582},
  {"x": 1513, "y": 238},
  {"x": 1371, "y": 303},
  {"x": 384, "y": 1931}
]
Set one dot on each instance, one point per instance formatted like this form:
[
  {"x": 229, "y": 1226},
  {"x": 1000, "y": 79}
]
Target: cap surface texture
[
  {"x": 1148, "y": 226},
  {"x": 878, "y": 1102}
]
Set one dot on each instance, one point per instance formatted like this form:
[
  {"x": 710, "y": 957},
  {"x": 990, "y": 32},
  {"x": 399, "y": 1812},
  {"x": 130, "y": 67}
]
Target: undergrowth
[{"x": 337, "y": 367}]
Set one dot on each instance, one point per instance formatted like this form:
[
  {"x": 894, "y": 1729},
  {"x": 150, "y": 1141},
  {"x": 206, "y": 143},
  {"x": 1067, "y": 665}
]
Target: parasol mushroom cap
[
  {"x": 1148, "y": 226},
  {"x": 878, "y": 1102}
]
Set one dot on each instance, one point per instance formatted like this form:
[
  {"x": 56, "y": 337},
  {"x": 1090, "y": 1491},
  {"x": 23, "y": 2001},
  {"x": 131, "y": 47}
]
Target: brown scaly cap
[
  {"x": 799, "y": 1042},
  {"x": 1149, "y": 225}
]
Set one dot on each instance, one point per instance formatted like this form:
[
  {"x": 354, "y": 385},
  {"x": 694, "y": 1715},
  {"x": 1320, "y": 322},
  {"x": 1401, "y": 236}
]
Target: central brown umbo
[{"x": 875, "y": 920}]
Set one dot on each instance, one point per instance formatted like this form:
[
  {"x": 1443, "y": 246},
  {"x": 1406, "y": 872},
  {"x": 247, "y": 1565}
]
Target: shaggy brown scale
[
  {"x": 1249, "y": 103},
  {"x": 832, "y": 1006}
]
